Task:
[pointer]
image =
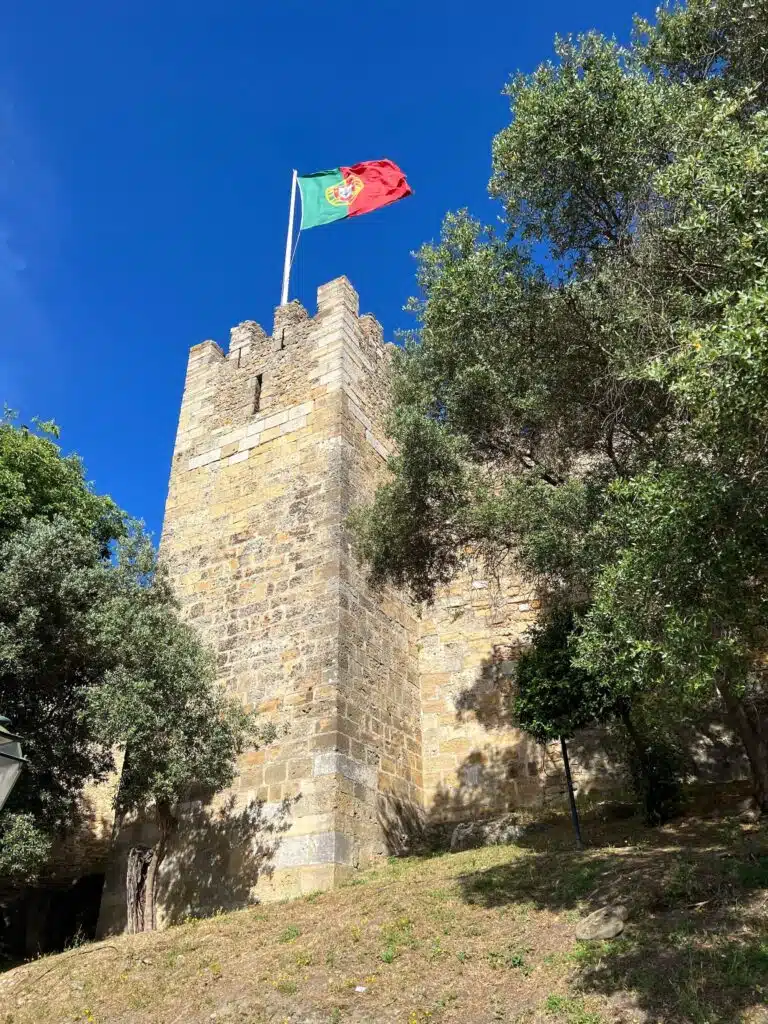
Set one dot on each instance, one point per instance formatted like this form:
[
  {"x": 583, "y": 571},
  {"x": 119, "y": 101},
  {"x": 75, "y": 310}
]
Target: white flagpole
[{"x": 289, "y": 242}]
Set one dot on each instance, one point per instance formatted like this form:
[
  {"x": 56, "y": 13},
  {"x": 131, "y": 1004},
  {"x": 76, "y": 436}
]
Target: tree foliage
[
  {"x": 554, "y": 697},
  {"x": 598, "y": 418},
  {"x": 94, "y": 658}
]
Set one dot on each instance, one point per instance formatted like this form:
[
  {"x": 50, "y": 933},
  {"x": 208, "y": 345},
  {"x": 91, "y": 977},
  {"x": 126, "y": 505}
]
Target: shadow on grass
[{"x": 696, "y": 947}]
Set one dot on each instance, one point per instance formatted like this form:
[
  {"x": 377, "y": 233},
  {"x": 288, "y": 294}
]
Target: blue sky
[{"x": 145, "y": 160}]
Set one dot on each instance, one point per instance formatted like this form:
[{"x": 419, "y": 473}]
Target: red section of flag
[{"x": 383, "y": 183}]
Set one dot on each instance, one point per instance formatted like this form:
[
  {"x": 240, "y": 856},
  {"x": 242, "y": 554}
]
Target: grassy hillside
[{"x": 478, "y": 937}]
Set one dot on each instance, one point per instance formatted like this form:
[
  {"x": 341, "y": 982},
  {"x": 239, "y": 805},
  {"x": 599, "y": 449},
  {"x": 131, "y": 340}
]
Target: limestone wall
[
  {"x": 378, "y": 670},
  {"x": 277, "y": 439},
  {"x": 474, "y": 764}
]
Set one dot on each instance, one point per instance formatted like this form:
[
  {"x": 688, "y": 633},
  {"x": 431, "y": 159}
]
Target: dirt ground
[{"x": 469, "y": 938}]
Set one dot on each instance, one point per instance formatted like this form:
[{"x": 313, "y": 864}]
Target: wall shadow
[
  {"x": 403, "y": 824},
  {"x": 501, "y": 777},
  {"x": 695, "y": 947},
  {"x": 218, "y": 856}
]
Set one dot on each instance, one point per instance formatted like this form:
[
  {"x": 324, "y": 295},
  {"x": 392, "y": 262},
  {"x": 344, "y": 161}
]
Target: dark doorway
[{"x": 50, "y": 919}]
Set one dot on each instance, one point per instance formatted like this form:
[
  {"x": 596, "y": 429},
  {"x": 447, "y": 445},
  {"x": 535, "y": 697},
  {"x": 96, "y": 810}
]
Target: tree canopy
[
  {"x": 597, "y": 418},
  {"x": 94, "y": 657}
]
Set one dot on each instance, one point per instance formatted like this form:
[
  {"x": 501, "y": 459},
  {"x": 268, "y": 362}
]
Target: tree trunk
[
  {"x": 142, "y": 875},
  {"x": 633, "y": 734},
  {"x": 571, "y": 794},
  {"x": 135, "y": 887},
  {"x": 752, "y": 733},
  {"x": 167, "y": 825},
  {"x": 637, "y": 741}
]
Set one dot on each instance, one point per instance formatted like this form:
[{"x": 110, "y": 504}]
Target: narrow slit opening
[{"x": 257, "y": 393}]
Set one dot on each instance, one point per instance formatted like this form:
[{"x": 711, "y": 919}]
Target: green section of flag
[{"x": 315, "y": 207}]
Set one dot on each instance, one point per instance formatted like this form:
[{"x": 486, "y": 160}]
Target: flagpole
[{"x": 289, "y": 242}]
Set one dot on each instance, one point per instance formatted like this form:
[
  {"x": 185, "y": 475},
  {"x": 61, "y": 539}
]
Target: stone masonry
[
  {"x": 387, "y": 713},
  {"x": 276, "y": 439}
]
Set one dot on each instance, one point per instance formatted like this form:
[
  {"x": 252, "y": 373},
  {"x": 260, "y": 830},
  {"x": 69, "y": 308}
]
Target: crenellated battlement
[{"x": 233, "y": 403}]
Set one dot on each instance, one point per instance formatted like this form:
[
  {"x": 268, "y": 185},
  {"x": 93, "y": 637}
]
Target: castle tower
[
  {"x": 277, "y": 441},
  {"x": 387, "y": 714}
]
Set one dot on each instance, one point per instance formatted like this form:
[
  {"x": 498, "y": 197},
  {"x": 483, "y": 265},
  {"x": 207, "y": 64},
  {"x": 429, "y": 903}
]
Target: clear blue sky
[{"x": 145, "y": 159}]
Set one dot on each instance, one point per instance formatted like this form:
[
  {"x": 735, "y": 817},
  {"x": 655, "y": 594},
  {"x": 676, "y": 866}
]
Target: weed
[
  {"x": 579, "y": 881},
  {"x": 286, "y": 986},
  {"x": 681, "y": 883},
  {"x": 587, "y": 954},
  {"x": 436, "y": 951},
  {"x": 303, "y": 959},
  {"x": 289, "y": 934},
  {"x": 78, "y": 939},
  {"x": 448, "y": 998},
  {"x": 569, "y": 1010},
  {"x": 335, "y": 1017},
  {"x": 396, "y": 934},
  {"x": 510, "y": 958}
]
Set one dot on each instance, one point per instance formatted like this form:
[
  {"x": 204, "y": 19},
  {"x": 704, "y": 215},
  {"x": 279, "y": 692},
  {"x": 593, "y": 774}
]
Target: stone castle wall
[
  {"x": 277, "y": 440},
  {"x": 388, "y": 714}
]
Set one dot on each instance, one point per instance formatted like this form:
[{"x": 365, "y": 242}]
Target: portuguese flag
[{"x": 350, "y": 191}]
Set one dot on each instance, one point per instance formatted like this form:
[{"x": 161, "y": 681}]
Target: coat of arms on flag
[{"x": 345, "y": 193}]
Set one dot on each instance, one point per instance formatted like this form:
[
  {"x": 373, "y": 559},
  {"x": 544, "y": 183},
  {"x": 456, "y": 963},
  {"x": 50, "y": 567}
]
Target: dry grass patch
[{"x": 481, "y": 936}]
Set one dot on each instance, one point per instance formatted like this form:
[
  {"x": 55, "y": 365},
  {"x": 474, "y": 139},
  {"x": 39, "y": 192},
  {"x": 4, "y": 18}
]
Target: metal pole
[
  {"x": 289, "y": 242},
  {"x": 571, "y": 797}
]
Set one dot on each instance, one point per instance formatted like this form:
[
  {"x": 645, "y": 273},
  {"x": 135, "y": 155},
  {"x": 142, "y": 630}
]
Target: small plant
[
  {"x": 509, "y": 959},
  {"x": 303, "y": 959},
  {"x": 335, "y": 1017},
  {"x": 286, "y": 986},
  {"x": 753, "y": 875},
  {"x": 419, "y": 1017},
  {"x": 396, "y": 934},
  {"x": 436, "y": 951},
  {"x": 78, "y": 939},
  {"x": 289, "y": 934},
  {"x": 569, "y": 1010}
]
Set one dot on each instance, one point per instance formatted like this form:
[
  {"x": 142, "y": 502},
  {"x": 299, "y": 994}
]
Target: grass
[{"x": 471, "y": 938}]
